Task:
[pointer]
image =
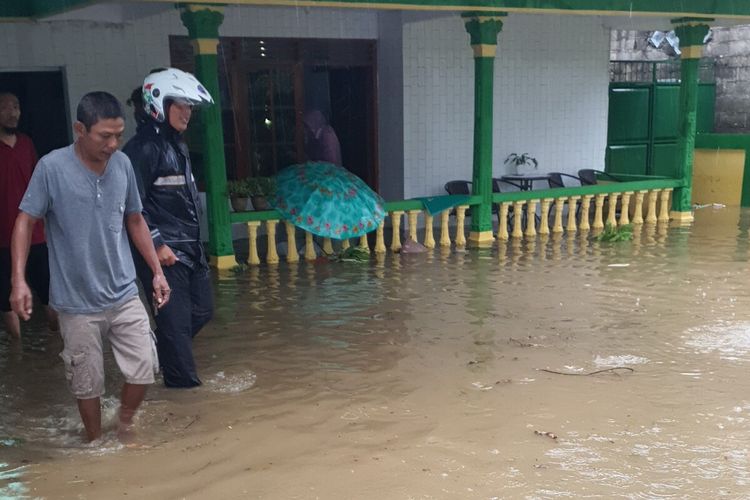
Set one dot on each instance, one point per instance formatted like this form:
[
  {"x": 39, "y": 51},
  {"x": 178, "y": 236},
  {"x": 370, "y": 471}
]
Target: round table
[{"x": 524, "y": 181}]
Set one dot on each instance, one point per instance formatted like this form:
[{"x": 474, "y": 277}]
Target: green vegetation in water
[
  {"x": 613, "y": 233},
  {"x": 353, "y": 254},
  {"x": 241, "y": 267}
]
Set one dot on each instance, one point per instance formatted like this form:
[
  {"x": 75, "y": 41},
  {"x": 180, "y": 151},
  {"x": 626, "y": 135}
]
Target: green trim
[
  {"x": 669, "y": 8},
  {"x": 730, "y": 141},
  {"x": 242, "y": 217},
  {"x": 202, "y": 24}
]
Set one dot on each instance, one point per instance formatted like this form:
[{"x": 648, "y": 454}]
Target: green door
[{"x": 642, "y": 129}]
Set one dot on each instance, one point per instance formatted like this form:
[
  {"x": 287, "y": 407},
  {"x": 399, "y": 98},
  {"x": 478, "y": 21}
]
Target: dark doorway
[
  {"x": 44, "y": 109},
  {"x": 351, "y": 118}
]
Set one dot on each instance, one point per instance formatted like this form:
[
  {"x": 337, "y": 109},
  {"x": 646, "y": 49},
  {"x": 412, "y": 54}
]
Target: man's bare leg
[
  {"x": 130, "y": 399},
  {"x": 12, "y": 324},
  {"x": 91, "y": 415}
]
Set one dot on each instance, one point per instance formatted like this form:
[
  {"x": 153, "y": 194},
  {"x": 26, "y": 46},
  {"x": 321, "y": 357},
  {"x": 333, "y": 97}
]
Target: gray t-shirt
[{"x": 91, "y": 267}]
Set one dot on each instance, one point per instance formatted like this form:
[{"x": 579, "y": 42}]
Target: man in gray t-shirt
[{"x": 87, "y": 195}]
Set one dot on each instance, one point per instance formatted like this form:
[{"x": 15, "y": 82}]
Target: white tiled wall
[{"x": 550, "y": 96}]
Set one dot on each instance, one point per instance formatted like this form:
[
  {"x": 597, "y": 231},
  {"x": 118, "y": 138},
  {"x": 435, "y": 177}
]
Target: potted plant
[
  {"x": 239, "y": 194},
  {"x": 522, "y": 163},
  {"x": 260, "y": 189}
]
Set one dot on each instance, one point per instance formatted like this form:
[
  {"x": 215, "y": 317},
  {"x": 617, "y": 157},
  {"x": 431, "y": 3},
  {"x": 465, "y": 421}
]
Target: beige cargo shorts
[{"x": 133, "y": 345}]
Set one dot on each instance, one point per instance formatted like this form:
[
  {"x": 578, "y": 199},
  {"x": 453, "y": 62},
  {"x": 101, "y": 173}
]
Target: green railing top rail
[
  {"x": 614, "y": 187},
  {"x": 638, "y": 183}
]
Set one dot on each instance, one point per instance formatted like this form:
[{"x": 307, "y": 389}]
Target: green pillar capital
[
  {"x": 483, "y": 28},
  {"x": 691, "y": 33},
  {"x": 202, "y": 21}
]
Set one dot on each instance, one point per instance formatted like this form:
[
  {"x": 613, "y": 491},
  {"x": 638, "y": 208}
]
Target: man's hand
[
  {"x": 166, "y": 256},
  {"x": 161, "y": 290},
  {"x": 21, "y": 301}
]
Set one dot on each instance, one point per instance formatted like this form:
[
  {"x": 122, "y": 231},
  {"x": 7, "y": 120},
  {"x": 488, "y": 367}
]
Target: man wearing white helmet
[{"x": 171, "y": 208}]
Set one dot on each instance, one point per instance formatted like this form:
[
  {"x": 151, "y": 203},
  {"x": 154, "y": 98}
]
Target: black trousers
[{"x": 189, "y": 308}]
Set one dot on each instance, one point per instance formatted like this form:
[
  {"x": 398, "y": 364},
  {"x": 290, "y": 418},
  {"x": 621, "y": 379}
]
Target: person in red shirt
[{"x": 17, "y": 160}]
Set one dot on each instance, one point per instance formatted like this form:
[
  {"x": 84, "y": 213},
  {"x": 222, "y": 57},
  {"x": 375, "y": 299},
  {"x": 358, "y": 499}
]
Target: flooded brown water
[{"x": 421, "y": 377}]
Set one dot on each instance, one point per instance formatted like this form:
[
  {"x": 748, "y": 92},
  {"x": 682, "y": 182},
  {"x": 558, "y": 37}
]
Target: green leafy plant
[
  {"x": 521, "y": 160},
  {"x": 252, "y": 186},
  {"x": 261, "y": 186},
  {"x": 352, "y": 254},
  {"x": 238, "y": 189},
  {"x": 612, "y": 233}
]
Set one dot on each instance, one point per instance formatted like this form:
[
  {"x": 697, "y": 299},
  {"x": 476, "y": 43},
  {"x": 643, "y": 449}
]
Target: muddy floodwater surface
[{"x": 558, "y": 368}]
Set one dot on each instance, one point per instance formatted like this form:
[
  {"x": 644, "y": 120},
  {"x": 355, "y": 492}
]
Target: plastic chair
[
  {"x": 589, "y": 176},
  {"x": 556, "y": 179},
  {"x": 458, "y": 187}
]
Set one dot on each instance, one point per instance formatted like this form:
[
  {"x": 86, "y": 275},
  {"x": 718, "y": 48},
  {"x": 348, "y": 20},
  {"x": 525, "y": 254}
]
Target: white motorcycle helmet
[{"x": 172, "y": 84}]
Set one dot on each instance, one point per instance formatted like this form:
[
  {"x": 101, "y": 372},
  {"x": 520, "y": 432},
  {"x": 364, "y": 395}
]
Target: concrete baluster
[
  {"x": 310, "y": 247},
  {"x": 460, "y": 222},
  {"x": 252, "y": 236},
  {"x": 429, "y": 239},
  {"x": 557, "y": 226},
  {"x": 531, "y": 219},
  {"x": 291, "y": 242},
  {"x": 572, "y": 202},
  {"x": 445, "y": 237},
  {"x": 584, "y": 225},
  {"x": 544, "y": 218},
  {"x": 598, "y": 212},
  {"x": 272, "y": 257},
  {"x": 612, "y": 209},
  {"x": 651, "y": 213}
]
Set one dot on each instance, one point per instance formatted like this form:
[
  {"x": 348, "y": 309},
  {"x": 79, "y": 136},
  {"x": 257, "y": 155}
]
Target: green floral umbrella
[{"x": 327, "y": 200}]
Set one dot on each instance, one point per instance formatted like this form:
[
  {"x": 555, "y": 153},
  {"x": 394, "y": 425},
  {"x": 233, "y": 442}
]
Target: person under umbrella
[{"x": 321, "y": 142}]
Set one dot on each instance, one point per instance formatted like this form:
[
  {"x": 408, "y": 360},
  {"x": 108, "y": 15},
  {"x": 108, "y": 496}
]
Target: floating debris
[
  {"x": 613, "y": 370},
  {"x": 548, "y": 434}
]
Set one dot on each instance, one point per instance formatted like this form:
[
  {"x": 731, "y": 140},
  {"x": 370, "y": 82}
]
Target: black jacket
[{"x": 170, "y": 200}]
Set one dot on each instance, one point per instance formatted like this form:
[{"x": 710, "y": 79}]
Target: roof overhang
[{"x": 732, "y": 11}]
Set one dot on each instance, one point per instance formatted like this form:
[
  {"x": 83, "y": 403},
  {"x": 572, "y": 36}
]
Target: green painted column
[
  {"x": 483, "y": 29},
  {"x": 691, "y": 33},
  {"x": 202, "y": 23}
]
